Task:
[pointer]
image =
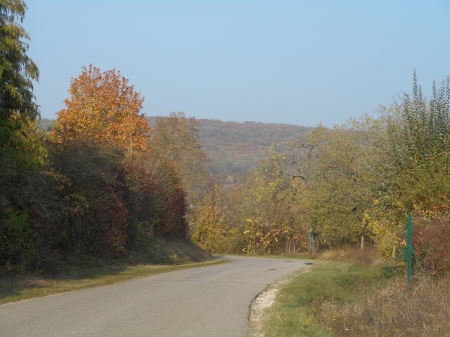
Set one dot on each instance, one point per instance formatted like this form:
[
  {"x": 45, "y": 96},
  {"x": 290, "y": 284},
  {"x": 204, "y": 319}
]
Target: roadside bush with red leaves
[
  {"x": 155, "y": 199},
  {"x": 176, "y": 207},
  {"x": 431, "y": 242}
]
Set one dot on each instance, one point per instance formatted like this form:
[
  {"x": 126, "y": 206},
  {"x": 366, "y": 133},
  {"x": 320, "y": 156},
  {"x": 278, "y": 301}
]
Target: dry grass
[
  {"x": 360, "y": 295},
  {"x": 394, "y": 310},
  {"x": 370, "y": 256},
  {"x": 313, "y": 304},
  {"x": 168, "y": 255}
]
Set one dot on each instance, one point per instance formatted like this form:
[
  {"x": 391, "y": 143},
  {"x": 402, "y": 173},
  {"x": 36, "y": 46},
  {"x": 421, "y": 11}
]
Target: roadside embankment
[{"x": 169, "y": 255}]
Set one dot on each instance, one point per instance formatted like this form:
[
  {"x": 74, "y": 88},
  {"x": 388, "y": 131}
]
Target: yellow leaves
[
  {"x": 103, "y": 107},
  {"x": 176, "y": 138},
  {"x": 209, "y": 229}
]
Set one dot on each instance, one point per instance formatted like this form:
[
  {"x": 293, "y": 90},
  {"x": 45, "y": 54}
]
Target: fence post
[
  {"x": 312, "y": 239},
  {"x": 409, "y": 248}
]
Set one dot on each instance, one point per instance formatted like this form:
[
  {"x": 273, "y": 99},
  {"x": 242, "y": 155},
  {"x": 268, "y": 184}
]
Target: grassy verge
[
  {"x": 360, "y": 297},
  {"x": 299, "y": 303},
  {"x": 81, "y": 277},
  {"x": 166, "y": 255}
]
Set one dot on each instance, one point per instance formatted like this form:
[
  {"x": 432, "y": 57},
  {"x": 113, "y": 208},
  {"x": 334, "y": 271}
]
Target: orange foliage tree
[{"x": 103, "y": 107}]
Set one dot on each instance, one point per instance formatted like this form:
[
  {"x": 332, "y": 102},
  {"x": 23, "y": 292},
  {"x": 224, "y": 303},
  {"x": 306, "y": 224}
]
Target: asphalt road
[{"x": 201, "y": 302}]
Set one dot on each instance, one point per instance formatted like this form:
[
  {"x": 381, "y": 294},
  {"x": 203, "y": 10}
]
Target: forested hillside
[{"x": 235, "y": 149}]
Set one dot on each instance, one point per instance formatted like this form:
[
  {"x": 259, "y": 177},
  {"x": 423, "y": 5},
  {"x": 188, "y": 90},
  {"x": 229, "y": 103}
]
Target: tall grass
[
  {"x": 394, "y": 310},
  {"x": 311, "y": 304}
]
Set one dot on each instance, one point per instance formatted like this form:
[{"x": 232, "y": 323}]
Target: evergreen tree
[{"x": 17, "y": 70}]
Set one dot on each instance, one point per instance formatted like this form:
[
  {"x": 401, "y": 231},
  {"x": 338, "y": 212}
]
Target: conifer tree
[{"x": 17, "y": 71}]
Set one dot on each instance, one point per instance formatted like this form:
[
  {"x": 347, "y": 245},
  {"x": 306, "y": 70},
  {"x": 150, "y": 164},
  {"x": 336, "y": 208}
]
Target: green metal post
[{"x": 409, "y": 247}]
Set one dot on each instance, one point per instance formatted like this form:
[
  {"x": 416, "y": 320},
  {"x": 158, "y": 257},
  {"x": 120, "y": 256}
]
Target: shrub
[{"x": 431, "y": 241}]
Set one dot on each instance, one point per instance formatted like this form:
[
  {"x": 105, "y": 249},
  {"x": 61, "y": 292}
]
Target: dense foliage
[
  {"x": 104, "y": 108},
  {"x": 351, "y": 184},
  {"x": 20, "y": 150},
  {"x": 17, "y": 70},
  {"x": 100, "y": 185}
]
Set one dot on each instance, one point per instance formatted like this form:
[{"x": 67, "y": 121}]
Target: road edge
[{"x": 265, "y": 300}]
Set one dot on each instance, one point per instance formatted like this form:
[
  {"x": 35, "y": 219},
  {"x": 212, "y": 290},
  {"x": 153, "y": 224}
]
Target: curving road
[{"x": 207, "y": 301}]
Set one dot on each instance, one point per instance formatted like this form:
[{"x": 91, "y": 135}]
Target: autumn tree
[
  {"x": 338, "y": 177},
  {"x": 176, "y": 138},
  {"x": 209, "y": 230},
  {"x": 103, "y": 107}
]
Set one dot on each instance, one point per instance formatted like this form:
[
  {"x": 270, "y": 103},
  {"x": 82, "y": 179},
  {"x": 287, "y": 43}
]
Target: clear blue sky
[{"x": 295, "y": 62}]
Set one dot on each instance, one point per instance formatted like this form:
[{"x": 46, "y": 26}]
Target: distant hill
[
  {"x": 46, "y": 124},
  {"x": 234, "y": 148}
]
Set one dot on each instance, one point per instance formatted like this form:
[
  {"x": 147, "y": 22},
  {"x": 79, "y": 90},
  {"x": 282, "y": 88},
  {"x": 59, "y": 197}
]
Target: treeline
[
  {"x": 101, "y": 184},
  {"x": 352, "y": 184},
  {"x": 234, "y": 149}
]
